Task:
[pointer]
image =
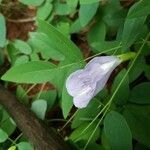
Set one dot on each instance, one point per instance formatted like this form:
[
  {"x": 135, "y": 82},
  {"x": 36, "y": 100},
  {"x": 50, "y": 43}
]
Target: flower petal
[
  {"x": 78, "y": 82},
  {"x": 99, "y": 61},
  {"x": 100, "y": 66},
  {"x": 73, "y": 83},
  {"x": 101, "y": 84},
  {"x": 82, "y": 101}
]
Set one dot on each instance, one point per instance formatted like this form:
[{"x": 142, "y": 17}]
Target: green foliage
[
  {"x": 117, "y": 131},
  {"x": 3, "y": 136},
  {"x": 23, "y": 47},
  {"x": 86, "y": 114},
  {"x": 45, "y": 10},
  {"x": 67, "y": 102},
  {"x": 2, "y": 31},
  {"x": 40, "y": 43},
  {"x": 77, "y": 135},
  {"x": 130, "y": 34},
  {"x": 39, "y": 107},
  {"x": 32, "y": 2},
  {"x": 138, "y": 120},
  {"x": 49, "y": 97},
  {"x": 140, "y": 9},
  {"x": 21, "y": 95},
  {"x": 140, "y": 94},
  {"x": 123, "y": 90},
  {"x": 31, "y": 72},
  {"x": 86, "y": 12},
  {"x": 24, "y": 146},
  {"x": 68, "y": 34}
]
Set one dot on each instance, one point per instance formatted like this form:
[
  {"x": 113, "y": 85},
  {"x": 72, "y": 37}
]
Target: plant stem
[{"x": 127, "y": 56}]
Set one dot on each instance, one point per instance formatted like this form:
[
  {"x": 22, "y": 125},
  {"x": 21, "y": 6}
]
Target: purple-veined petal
[
  {"x": 78, "y": 82},
  {"x": 73, "y": 82},
  {"x": 81, "y": 101}
]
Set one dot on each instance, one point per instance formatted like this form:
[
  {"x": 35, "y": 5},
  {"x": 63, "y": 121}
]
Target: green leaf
[
  {"x": 131, "y": 31},
  {"x": 40, "y": 42},
  {"x": 24, "y": 146},
  {"x": 21, "y": 95},
  {"x": 123, "y": 90},
  {"x": 49, "y": 97},
  {"x": 21, "y": 60},
  {"x": 97, "y": 33},
  {"x": 137, "y": 69},
  {"x": 3, "y": 136},
  {"x": 39, "y": 107},
  {"x": 44, "y": 11},
  {"x": 62, "y": 8},
  {"x": 7, "y": 124},
  {"x": 72, "y": 2},
  {"x": 64, "y": 28},
  {"x": 2, "y": 31},
  {"x": 108, "y": 47},
  {"x": 75, "y": 26},
  {"x": 67, "y": 102},
  {"x": 34, "y": 57},
  {"x": 62, "y": 43},
  {"x": 87, "y": 12},
  {"x": 139, "y": 122},
  {"x": 31, "y": 72},
  {"x": 88, "y": 1},
  {"x": 113, "y": 15},
  {"x": 77, "y": 136},
  {"x": 23, "y": 47},
  {"x": 117, "y": 131},
  {"x": 32, "y": 2},
  {"x": 139, "y": 9},
  {"x": 105, "y": 141},
  {"x": 12, "y": 52},
  {"x": 140, "y": 94},
  {"x": 86, "y": 114}
]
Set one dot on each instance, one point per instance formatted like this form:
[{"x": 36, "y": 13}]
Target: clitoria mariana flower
[{"x": 85, "y": 83}]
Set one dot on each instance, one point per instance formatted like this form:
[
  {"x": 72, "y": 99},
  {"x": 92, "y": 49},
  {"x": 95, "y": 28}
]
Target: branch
[{"x": 42, "y": 137}]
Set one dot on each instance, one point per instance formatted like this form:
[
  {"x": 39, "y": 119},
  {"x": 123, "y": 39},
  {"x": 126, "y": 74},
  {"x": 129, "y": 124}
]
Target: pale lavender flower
[{"x": 85, "y": 83}]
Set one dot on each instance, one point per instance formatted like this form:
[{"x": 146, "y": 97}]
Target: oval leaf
[
  {"x": 139, "y": 9},
  {"x": 24, "y": 146},
  {"x": 140, "y": 94},
  {"x": 117, "y": 131},
  {"x": 22, "y": 46},
  {"x": 87, "y": 12},
  {"x": 31, "y": 72},
  {"x": 3, "y": 136},
  {"x": 39, "y": 107}
]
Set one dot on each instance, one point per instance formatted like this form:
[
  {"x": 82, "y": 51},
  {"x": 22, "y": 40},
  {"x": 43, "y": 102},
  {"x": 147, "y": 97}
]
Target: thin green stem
[
  {"x": 98, "y": 124},
  {"x": 68, "y": 121},
  {"x": 40, "y": 92},
  {"x": 127, "y": 56},
  {"x": 28, "y": 91}
]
